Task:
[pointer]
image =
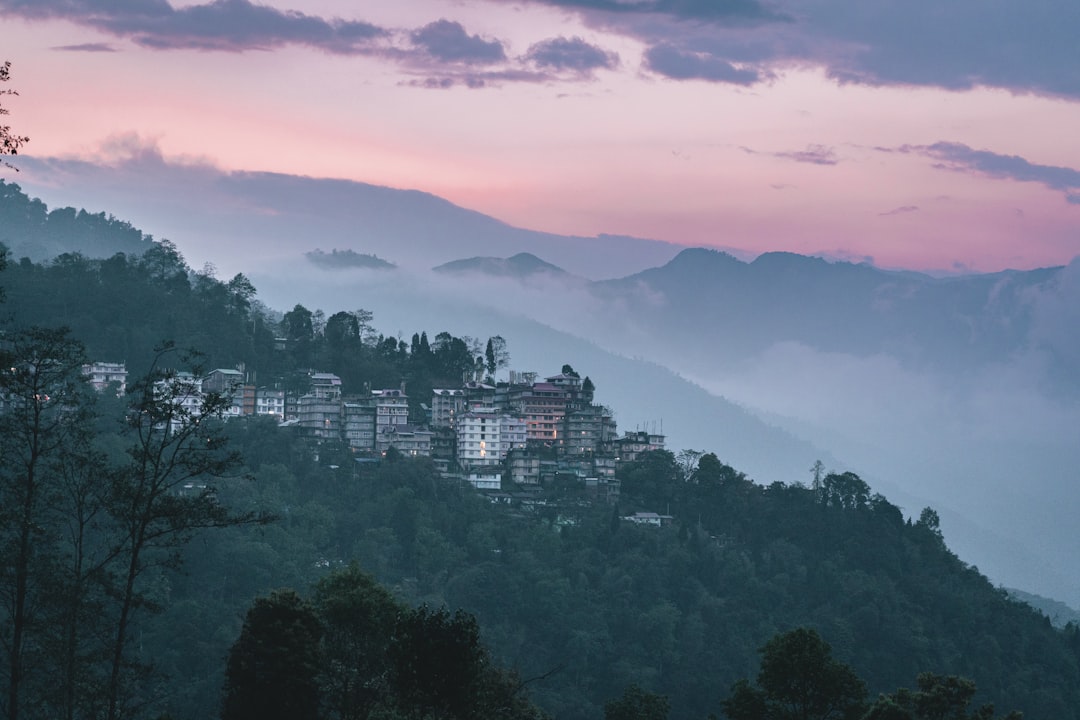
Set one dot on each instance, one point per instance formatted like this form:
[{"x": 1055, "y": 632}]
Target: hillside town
[{"x": 524, "y": 431}]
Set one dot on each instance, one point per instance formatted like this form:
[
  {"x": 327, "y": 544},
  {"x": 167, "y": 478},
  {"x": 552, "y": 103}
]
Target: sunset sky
[{"x": 923, "y": 135}]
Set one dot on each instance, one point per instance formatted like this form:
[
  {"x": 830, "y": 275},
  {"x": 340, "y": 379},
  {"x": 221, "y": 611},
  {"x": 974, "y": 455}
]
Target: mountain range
[{"x": 954, "y": 392}]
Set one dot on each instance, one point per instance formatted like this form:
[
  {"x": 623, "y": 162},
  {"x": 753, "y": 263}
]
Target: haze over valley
[{"x": 960, "y": 392}]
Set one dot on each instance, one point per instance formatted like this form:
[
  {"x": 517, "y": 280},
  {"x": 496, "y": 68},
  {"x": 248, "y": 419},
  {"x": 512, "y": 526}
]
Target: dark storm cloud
[
  {"x": 449, "y": 42},
  {"x": 231, "y": 25},
  {"x": 572, "y": 54},
  {"x": 961, "y": 158},
  {"x": 679, "y": 64}
]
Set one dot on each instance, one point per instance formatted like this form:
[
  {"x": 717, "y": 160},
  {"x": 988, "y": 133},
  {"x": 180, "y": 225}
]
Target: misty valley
[{"x": 344, "y": 485}]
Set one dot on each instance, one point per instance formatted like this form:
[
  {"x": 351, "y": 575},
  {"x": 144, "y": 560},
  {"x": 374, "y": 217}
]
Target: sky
[{"x": 929, "y": 136}]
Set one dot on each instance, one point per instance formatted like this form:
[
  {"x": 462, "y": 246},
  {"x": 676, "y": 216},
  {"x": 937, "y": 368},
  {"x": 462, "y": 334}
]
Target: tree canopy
[{"x": 10, "y": 141}]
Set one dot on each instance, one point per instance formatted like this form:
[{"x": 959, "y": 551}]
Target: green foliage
[
  {"x": 798, "y": 680},
  {"x": 357, "y": 653},
  {"x": 637, "y": 704},
  {"x": 10, "y": 142},
  {"x": 579, "y": 602},
  {"x": 938, "y": 697},
  {"x": 29, "y": 229},
  {"x": 273, "y": 667}
]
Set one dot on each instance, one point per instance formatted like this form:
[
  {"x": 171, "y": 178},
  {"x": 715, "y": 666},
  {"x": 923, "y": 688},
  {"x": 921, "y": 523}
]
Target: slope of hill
[
  {"x": 591, "y": 603},
  {"x": 521, "y": 266},
  {"x": 574, "y": 593},
  {"x": 965, "y": 392},
  {"x": 952, "y": 389},
  {"x": 29, "y": 229},
  {"x": 241, "y": 221},
  {"x": 947, "y": 324}
]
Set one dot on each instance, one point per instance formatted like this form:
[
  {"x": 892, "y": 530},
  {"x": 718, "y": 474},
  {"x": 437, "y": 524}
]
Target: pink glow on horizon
[{"x": 692, "y": 163}]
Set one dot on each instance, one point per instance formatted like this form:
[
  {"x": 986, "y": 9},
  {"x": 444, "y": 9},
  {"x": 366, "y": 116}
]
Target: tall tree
[
  {"x": 10, "y": 142},
  {"x": 165, "y": 492},
  {"x": 358, "y": 617},
  {"x": 42, "y": 416},
  {"x": 938, "y": 697},
  {"x": 438, "y": 664},
  {"x": 637, "y": 704},
  {"x": 273, "y": 667},
  {"x": 798, "y": 680}
]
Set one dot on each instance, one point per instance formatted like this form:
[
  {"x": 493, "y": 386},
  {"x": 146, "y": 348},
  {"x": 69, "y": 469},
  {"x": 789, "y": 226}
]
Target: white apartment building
[
  {"x": 391, "y": 408},
  {"x": 270, "y": 402},
  {"x": 446, "y": 406},
  {"x": 485, "y": 437},
  {"x": 101, "y": 374}
]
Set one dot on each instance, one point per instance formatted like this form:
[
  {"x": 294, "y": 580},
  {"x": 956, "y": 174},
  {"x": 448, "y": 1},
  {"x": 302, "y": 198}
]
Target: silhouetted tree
[
  {"x": 10, "y": 142},
  {"x": 798, "y": 680},
  {"x": 273, "y": 667},
  {"x": 637, "y": 704}
]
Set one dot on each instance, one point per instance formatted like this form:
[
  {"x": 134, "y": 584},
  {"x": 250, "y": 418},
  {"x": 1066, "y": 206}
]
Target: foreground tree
[
  {"x": 637, "y": 704},
  {"x": 164, "y": 493},
  {"x": 42, "y": 418},
  {"x": 358, "y": 617},
  {"x": 10, "y": 142},
  {"x": 273, "y": 667},
  {"x": 798, "y": 680},
  {"x": 938, "y": 697}
]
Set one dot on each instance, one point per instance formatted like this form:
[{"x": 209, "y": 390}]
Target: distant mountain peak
[
  {"x": 522, "y": 265},
  {"x": 342, "y": 259}
]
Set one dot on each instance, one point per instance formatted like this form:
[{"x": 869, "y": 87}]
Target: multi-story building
[
  {"x": 391, "y": 408},
  {"x": 270, "y": 401},
  {"x": 358, "y": 423},
  {"x": 228, "y": 383},
  {"x": 513, "y": 434},
  {"x": 478, "y": 438},
  {"x": 326, "y": 386},
  {"x": 406, "y": 439},
  {"x": 543, "y": 405},
  {"x": 223, "y": 381},
  {"x": 633, "y": 444},
  {"x": 444, "y": 444},
  {"x": 319, "y": 417},
  {"x": 102, "y": 374},
  {"x": 485, "y": 436},
  {"x": 184, "y": 391},
  {"x": 446, "y": 406},
  {"x": 524, "y": 467},
  {"x": 587, "y": 431},
  {"x": 319, "y": 411}
]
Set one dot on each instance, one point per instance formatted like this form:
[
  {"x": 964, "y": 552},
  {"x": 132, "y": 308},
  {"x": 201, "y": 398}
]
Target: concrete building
[
  {"x": 633, "y": 444},
  {"x": 587, "y": 431},
  {"x": 478, "y": 438},
  {"x": 358, "y": 424},
  {"x": 270, "y": 401},
  {"x": 406, "y": 439},
  {"x": 319, "y": 417},
  {"x": 101, "y": 374},
  {"x": 391, "y": 408},
  {"x": 446, "y": 406}
]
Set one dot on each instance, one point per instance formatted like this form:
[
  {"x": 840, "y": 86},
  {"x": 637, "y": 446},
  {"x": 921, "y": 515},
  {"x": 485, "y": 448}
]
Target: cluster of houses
[{"x": 524, "y": 430}]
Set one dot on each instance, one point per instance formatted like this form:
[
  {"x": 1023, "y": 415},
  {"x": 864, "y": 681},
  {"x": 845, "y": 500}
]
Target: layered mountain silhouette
[{"x": 956, "y": 392}]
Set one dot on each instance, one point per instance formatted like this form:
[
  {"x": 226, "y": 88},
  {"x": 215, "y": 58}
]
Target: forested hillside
[
  {"x": 29, "y": 229},
  {"x": 572, "y": 596}
]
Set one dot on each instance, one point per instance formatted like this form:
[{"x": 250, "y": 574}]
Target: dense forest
[{"x": 573, "y": 605}]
